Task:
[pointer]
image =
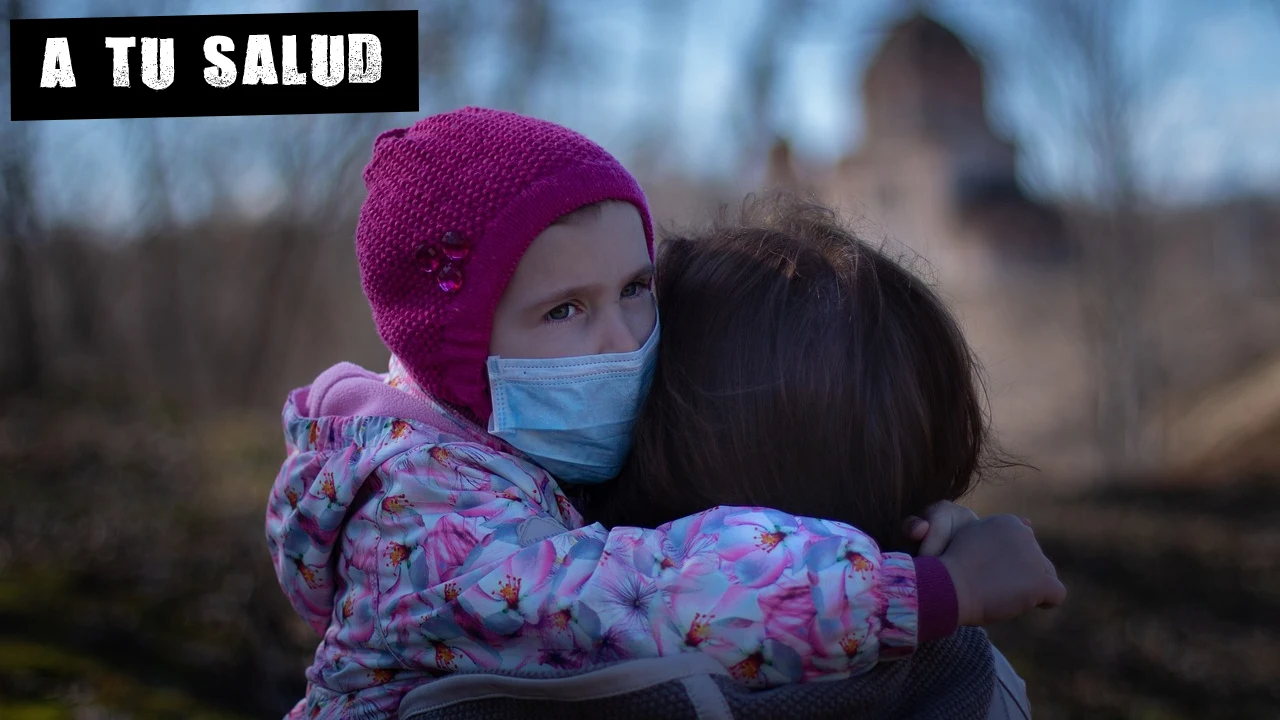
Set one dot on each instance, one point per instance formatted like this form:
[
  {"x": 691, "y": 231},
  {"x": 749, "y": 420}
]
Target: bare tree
[
  {"x": 1102, "y": 101},
  {"x": 317, "y": 159},
  {"x": 443, "y": 34},
  {"x": 649, "y": 123},
  {"x": 19, "y": 229},
  {"x": 771, "y": 37}
]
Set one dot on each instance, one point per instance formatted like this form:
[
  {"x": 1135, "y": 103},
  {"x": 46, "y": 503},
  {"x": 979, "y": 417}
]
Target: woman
[{"x": 802, "y": 369}]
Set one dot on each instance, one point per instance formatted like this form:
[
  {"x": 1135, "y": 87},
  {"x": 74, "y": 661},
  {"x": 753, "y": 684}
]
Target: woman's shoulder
[{"x": 1009, "y": 698}]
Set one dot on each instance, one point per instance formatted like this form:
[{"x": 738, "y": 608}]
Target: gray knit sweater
[{"x": 950, "y": 679}]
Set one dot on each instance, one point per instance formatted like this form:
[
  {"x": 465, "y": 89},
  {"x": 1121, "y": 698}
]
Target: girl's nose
[{"x": 617, "y": 335}]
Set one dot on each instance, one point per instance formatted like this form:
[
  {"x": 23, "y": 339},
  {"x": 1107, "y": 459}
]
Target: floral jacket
[{"x": 417, "y": 544}]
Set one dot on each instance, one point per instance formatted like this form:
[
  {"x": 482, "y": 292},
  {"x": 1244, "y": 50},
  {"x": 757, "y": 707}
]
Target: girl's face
[{"x": 584, "y": 287}]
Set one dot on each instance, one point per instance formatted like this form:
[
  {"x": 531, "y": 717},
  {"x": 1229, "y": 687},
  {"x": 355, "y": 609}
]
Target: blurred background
[{"x": 1094, "y": 185}]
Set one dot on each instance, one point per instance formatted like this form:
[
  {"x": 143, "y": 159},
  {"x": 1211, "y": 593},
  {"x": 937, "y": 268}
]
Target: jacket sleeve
[{"x": 481, "y": 565}]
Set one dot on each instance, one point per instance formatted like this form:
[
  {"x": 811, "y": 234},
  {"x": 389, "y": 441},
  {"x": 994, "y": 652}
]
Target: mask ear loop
[{"x": 497, "y": 395}]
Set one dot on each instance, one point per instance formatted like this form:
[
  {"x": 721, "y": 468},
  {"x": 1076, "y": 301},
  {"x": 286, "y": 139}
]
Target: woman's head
[{"x": 800, "y": 369}]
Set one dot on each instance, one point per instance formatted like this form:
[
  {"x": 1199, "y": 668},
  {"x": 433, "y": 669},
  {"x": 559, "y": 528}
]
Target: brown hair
[{"x": 800, "y": 369}]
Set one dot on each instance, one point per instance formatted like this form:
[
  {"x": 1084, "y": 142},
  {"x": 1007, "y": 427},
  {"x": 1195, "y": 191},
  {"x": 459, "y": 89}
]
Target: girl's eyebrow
[
  {"x": 563, "y": 293},
  {"x": 646, "y": 269},
  {"x": 586, "y": 289}
]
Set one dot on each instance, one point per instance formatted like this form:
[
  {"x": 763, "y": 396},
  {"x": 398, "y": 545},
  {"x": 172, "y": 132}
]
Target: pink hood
[{"x": 353, "y": 413}]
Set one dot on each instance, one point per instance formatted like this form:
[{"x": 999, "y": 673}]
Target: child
[{"x": 508, "y": 263}]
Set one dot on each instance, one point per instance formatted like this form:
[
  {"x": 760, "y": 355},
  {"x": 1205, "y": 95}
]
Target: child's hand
[
  {"x": 940, "y": 523},
  {"x": 999, "y": 571}
]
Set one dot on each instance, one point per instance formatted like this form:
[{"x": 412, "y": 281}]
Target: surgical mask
[{"x": 574, "y": 415}]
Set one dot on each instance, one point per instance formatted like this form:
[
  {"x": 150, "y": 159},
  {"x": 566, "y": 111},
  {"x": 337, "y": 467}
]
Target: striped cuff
[{"x": 939, "y": 606}]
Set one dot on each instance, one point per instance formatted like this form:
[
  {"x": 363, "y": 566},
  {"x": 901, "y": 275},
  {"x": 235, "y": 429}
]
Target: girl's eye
[
  {"x": 561, "y": 313},
  {"x": 634, "y": 289}
]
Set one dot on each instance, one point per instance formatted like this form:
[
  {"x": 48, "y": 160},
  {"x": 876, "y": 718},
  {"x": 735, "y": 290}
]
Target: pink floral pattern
[{"x": 416, "y": 551}]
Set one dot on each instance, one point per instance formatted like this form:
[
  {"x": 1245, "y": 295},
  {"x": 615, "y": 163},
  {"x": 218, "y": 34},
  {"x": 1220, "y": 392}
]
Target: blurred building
[
  {"x": 930, "y": 167},
  {"x": 932, "y": 176}
]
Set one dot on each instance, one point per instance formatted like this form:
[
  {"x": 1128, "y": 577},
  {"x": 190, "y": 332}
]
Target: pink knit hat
[{"x": 454, "y": 201}]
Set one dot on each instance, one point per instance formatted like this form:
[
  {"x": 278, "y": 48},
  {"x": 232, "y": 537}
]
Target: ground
[
  {"x": 134, "y": 580},
  {"x": 1174, "y": 603}
]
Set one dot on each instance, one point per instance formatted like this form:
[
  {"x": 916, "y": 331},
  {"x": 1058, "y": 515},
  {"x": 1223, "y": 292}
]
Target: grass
[
  {"x": 42, "y": 681},
  {"x": 129, "y": 580}
]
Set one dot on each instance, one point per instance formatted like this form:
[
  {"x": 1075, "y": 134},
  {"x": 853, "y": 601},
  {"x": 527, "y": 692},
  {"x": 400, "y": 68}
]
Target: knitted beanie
[{"x": 454, "y": 201}]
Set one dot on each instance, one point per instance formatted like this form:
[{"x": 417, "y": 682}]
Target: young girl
[{"x": 508, "y": 263}]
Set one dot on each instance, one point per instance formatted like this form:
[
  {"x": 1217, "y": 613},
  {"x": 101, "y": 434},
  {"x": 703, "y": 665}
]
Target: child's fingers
[
  {"x": 1055, "y": 594},
  {"x": 938, "y": 538},
  {"x": 915, "y": 528}
]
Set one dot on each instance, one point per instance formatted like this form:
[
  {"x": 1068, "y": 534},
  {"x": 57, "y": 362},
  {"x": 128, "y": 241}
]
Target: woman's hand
[{"x": 940, "y": 523}]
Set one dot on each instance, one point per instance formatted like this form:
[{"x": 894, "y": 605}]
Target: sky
[{"x": 1213, "y": 126}]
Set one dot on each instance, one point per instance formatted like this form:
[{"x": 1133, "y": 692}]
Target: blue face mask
[{"x": 574, "y": 415}]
